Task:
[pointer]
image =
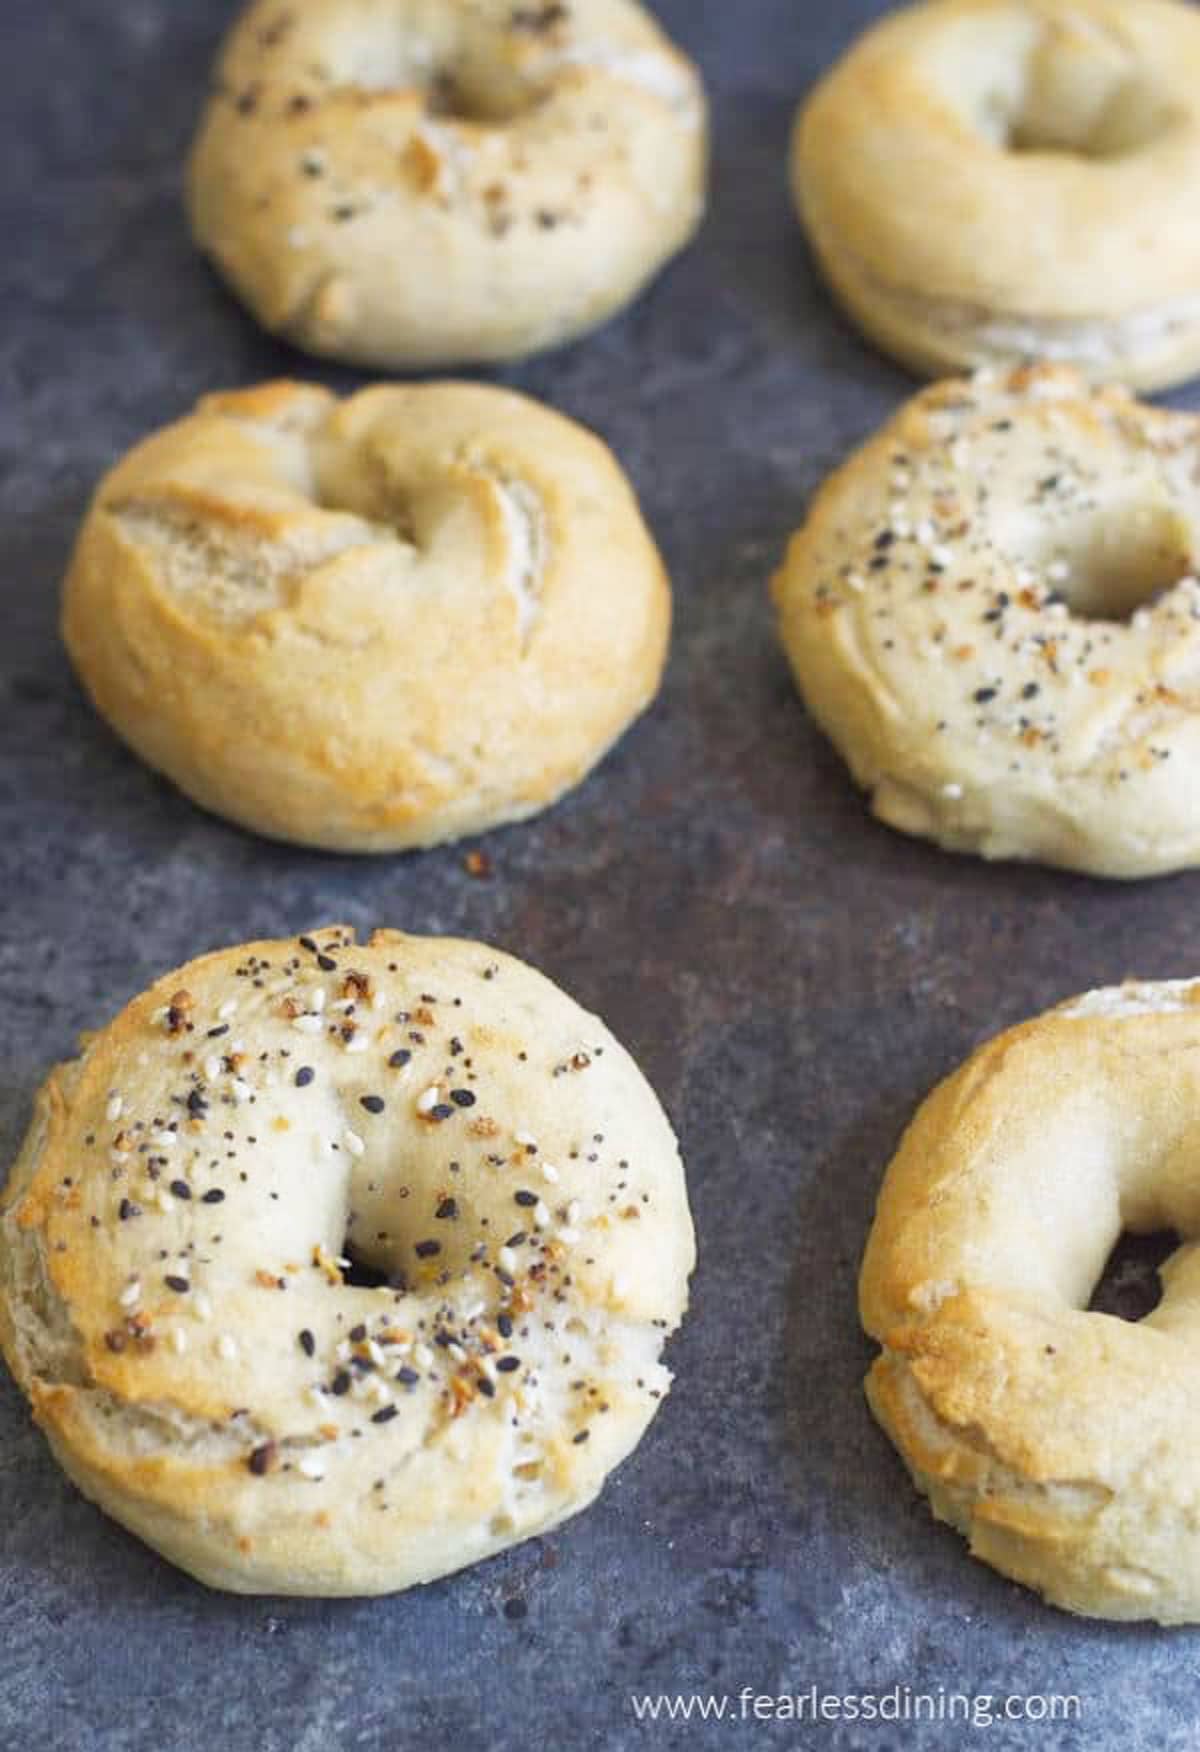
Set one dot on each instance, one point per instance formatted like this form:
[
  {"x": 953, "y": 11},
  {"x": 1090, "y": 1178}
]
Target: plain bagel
[
  {"x": 369, "y": 624},
  {"x": 177, "y": 1233},
  {"x": 992, "y": 610},
  {"x": 986, "y": 181},
  {"x": 1064, "y": 1443},
  {"x": 429, "y": 182}
]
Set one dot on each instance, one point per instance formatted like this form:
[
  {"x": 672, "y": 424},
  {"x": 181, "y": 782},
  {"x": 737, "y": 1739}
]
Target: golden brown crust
[
  {"x": 434, "y": 182},
  {"x": 1056, "y": 145},
  {"x": 1062, "y": 1442},
  {"x": 369, "y": 624},
  {"x": 173, "y": 1296},
  {"x": 992, "y": 610}
]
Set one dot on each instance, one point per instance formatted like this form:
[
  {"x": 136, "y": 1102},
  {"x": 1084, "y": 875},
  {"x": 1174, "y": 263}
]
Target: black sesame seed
[
  {"x": 262, "y": 1459},
  {"x": 215, "y": 1033},
  {"x": 214, "y": 1195},
  {"x": 486, "y": 1387},
  {"x": 340, "y": 1383},
  {"x": 358, "y": 1333},
  {"x": 179, "y": 1284},
  {"x": 180, "y": 1189},
  {"x": 581, "y": 1437},
  {"x": 304, "y": 1076},
  {"x": 529, "y": 1199},
  {"x": 506, "y": 1365},
  {"x": 385, "y": 1414},
  {"x": 326, "y": 963},
  {"x": 462, "y": 1097},
  {"x": 372, "y": 1103},
  {"x": 504, "y": 1325},
  {"x": 1030, "y": 690},
  {"x": 399, "y": 1058},
  {"x": 308, "y": 1343},
  {"x": 427, "y": 1249},
  {"x": 127, "y": 1209},
  {"x": 307, "y": 943},
  {"x": 447, "y": 1210},
  {"x": 196, "y": 1102},
  {"x": 408, "y": 1376},
  {"x": 442, "y": 1111},
  {"x": 982, "y": 695}
]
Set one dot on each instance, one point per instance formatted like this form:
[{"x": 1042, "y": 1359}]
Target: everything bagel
[
  {"x": 985, "y": 181},
  {"x": 1063, "y": 1443},
  {"x": 177, "y": 1232},
  {"x": 993, "y": 612},
  {"x": 369, "y": 624},
  {"x": 427, "y": 182}
]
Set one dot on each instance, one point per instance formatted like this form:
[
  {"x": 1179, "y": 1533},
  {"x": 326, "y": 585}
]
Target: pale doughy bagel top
[
  {"x": 372, "y": 623},
  {"x": 174, "y": 1241},
  {"x": 992, "y": 610},
  {"x": 420, "y": 182},
  {"x": 1065, "y": 1441},
  {"x": 1036, "y": 156}
]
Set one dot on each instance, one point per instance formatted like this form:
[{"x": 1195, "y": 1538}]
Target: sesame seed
[
  {"x": 422, "y": 1356},
  {"x": 130, "y": 1294},
  {"x": 372, "y": 1103},
  {"x": 114, "y": 1109},
  {"x": 400, "y": 1058},
  {"x": 227, "y": 1347},
  {"x": 308, "y": 1024},
  {"x": 308, "y": 1343},
  {"x": 304, "y": 1076},
  {"x": 385, "y": 1414},
  {"x": 506, "y": 1259},
  {"x": 312, "y": 1468},
  {"x": 180, "y": 1285},
  {"x": 353, "y": 1142},
  {"x": 550, "y": 1173}
]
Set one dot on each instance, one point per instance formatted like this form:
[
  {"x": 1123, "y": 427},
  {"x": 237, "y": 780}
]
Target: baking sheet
[{"x": 792, "y": 977}]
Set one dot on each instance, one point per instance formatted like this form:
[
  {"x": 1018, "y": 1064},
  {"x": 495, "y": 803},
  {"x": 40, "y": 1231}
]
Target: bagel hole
[
  {"x": 1078, "y": 96},
  {"x": 469, "y": 87},
  {"x": 360, "y": 1274},
  {"x": 1130, "y": 1287},
  {"x": 1122, "y": 559}
]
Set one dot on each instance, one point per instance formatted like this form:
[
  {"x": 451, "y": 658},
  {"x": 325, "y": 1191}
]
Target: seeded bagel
[
  {"x": 330, "y": 1268},
  {"x": 993, "y": 611},
  {"x": 431, "y": 182}
]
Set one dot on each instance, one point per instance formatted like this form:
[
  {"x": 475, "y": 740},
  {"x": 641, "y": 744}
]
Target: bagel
[
  {"x": 988, "y": 181},
  {"x": 406, "y": 183},
  {"x": 368, "y": 625},
  {"x": 991, "y": 610},
  {"x": 1063, "y": 1443},
  {"x": 176, "y": 1234}
]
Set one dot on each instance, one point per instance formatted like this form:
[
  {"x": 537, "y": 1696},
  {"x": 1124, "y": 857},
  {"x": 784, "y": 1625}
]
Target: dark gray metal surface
[{"x": 792, "y": 977}]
